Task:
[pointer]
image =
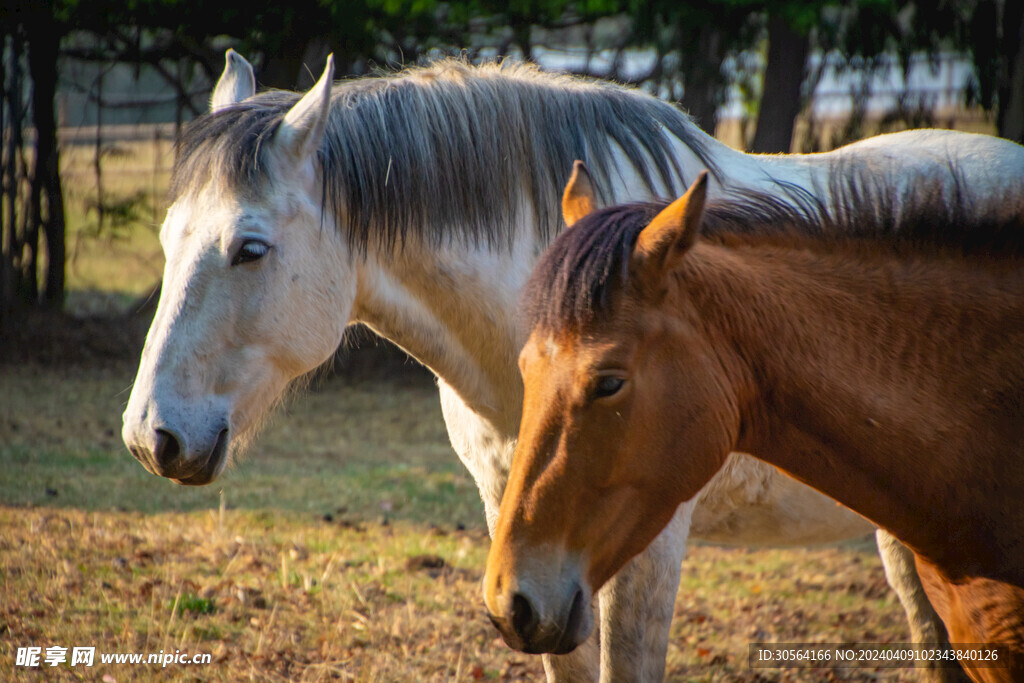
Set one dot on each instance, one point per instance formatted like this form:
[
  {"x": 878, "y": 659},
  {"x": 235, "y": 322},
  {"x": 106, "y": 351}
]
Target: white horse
[{"x": 417, "y": 203}]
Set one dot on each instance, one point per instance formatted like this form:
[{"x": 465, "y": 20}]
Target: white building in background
[{"x": 941, "y": 83}]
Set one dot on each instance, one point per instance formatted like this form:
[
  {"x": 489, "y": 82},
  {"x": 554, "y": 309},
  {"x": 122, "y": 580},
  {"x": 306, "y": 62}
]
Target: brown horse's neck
[{"x": 893, "y": 384}]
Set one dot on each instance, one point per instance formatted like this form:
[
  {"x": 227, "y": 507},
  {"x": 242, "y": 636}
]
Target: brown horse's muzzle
[
  {"x": 537, "y": 599},
  {"x": 522, "y": 627}
]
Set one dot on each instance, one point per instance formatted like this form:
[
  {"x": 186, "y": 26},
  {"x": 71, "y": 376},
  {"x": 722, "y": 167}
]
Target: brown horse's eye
[{"x": 608, "y": 385}]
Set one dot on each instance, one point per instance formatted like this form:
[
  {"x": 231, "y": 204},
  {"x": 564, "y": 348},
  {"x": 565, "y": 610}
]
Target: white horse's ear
[
  {"x": 303, "y": 127},
  {"x": 674, "y": 230},
  {"x": 578, "y": 198},
  {"x": 235, "y": 84}
]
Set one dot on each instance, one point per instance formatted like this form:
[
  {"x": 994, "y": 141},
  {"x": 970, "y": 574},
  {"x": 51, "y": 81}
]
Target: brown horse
[{"x": 884, "y": 368}]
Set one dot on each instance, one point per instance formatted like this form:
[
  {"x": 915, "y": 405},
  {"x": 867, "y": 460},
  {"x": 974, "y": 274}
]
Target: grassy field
[
  {"x": 115, "y": 258},
  {"x": 348, "y": 545}
]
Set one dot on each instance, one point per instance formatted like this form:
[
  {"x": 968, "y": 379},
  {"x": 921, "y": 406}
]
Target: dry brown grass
[
  {"x": 278, "y": 596},
  {"x": 324, "y": 563},
  {"x": 270, "y": 596}
]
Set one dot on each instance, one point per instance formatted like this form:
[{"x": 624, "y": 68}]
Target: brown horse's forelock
[{"x": 572, "y": 285}]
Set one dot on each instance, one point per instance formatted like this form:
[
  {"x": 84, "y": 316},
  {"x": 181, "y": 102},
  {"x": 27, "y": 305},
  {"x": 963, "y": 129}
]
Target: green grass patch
[
  {"x": 352, "y": 450},
  {"x": 193, "y": 604},
  {"x": 113, "y": 255}
]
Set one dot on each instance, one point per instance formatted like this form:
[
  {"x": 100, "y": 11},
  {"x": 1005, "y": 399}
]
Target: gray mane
[{"x": 445, "y": 152}]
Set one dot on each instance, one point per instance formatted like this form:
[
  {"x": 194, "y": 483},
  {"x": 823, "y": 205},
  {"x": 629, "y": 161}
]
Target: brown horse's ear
[
  {"x": 675, "y": 229},
  {"x": 578, "y": 198}
]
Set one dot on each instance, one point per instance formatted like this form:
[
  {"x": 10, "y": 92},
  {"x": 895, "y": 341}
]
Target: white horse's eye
[{"x": 251, "y": 250}]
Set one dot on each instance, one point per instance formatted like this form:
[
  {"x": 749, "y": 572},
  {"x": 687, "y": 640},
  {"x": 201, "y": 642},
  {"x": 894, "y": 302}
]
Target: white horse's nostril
[{"x": 168, "y": 448}]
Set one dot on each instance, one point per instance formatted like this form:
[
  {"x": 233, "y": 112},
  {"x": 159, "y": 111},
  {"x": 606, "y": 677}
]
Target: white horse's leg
[
  {"x": 637, "y": 606},
  {"x": 582, "y": 664},
  {"x": 925, "y": 625},
  {"x": 487, "y": 455}
]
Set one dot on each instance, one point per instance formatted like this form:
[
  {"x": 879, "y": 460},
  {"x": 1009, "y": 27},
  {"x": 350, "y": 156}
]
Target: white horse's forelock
[{"x": 423, "y": 152}]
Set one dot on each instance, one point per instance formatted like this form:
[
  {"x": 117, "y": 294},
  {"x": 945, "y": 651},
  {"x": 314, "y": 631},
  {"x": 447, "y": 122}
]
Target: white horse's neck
[{"x": 453, "y": 307}]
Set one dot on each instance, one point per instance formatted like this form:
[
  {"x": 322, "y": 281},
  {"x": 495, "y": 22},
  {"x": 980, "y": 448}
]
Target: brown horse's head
[{"x": 626, "y": 414}]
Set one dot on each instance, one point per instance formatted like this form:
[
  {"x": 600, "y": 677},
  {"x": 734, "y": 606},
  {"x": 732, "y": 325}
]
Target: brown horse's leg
[{"x": 981, "y": 611}]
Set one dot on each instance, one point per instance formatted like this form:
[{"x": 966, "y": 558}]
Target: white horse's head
[{"x": 228, "y": 335}]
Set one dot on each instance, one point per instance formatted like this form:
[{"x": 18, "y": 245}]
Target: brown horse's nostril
[
  {"x": 524, "y": 618},
  {"x": 575, "y": 618},
  {"x": 167, "y": 447}
]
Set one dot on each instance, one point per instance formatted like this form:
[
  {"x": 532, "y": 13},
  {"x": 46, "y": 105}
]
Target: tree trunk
[
  {"x": 703, "y": 81},
  {"x": 6, "y": 266},
  {"x": 522, "y": 30},
  {"x": 13, "y": 126},
  {"x": 44, "y": 43},
  {"x": 780, "y": 98},
  {"x": 314, "y": 58},
  {"x": 1011, "y": 88},
  {"x": 283, "y": 67}
]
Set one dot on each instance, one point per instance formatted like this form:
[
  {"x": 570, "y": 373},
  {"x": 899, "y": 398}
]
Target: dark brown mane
[{"x": 573, "y": 281}]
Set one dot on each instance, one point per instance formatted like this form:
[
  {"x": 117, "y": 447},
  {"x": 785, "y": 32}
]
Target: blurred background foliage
[{"x": 768, "y": 55}]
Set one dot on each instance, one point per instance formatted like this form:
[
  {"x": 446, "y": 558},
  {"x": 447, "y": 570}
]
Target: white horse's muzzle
[{"x": 190, "y": 452}]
